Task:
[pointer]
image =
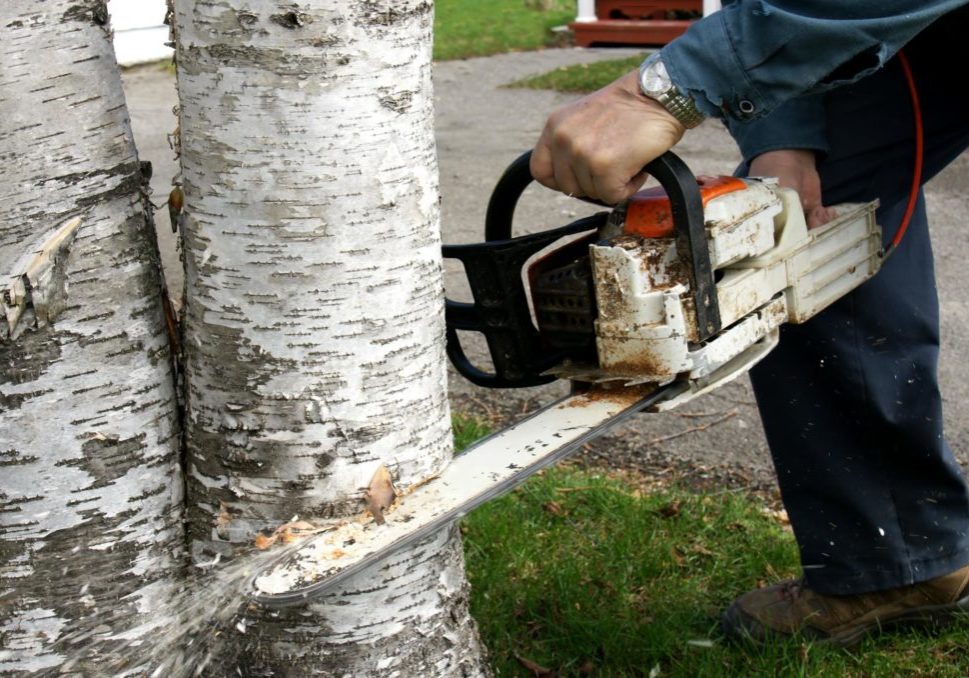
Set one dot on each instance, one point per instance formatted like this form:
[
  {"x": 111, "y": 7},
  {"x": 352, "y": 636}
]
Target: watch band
[{"x": 682, "y": 108}]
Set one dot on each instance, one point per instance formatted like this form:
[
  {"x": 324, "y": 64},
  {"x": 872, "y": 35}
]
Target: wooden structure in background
[{"x": 635, "y": 22}]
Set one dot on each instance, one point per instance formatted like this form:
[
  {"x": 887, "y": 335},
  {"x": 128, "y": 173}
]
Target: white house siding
[{"x": 139, "y": 30}]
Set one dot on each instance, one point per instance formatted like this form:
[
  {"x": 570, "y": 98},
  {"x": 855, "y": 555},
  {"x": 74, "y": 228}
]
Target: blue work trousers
[{"x": 850, "y": 400}]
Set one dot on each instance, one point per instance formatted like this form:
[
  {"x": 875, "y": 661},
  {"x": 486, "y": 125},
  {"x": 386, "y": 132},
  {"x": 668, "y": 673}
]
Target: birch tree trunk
[
  {"x": 314, "y": 322},
  {"x": 90, "y": 491}
]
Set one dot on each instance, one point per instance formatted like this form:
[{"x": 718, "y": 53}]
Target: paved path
[{"x": 481, "y": 127}]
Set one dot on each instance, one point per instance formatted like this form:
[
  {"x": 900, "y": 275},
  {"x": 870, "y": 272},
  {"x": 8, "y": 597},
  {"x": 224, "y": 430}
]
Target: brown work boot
[{"x": 791, "y": 608}]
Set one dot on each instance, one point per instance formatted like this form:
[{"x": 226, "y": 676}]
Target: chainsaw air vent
[{"x": 565, "y": 306}]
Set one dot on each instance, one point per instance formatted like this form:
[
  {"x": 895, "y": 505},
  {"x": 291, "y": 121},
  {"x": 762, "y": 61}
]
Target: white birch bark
[
  {"x": 314, "y": 323},
  {"x": 90, "y": 531}
]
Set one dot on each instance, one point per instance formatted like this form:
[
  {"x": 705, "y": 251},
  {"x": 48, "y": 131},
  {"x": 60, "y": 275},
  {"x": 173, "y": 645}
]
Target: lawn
[
  {"x": 594, "y": 572},
  {"x": 582, "y": 78},
  {"x": 469, "y": 28}
]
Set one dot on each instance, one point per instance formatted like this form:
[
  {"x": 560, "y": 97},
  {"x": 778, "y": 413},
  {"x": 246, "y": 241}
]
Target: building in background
[
  {"x": 140, "y": 32},
  {"x": 636, "y": 22}
]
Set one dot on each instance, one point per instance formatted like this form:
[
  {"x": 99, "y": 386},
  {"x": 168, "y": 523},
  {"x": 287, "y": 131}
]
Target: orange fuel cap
[{"x": 648, "y": 212}]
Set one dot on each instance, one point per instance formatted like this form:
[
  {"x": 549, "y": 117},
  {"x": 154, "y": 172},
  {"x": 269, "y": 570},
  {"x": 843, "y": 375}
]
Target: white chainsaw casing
[{"x": 770, "y": 270}]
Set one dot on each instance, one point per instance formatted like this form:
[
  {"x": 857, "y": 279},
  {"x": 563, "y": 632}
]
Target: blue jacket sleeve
[
  {"x": 797, "y": 123},
  {"x": 747, "y": 59}
]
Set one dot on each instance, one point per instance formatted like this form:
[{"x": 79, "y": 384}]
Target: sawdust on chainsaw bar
[{"x": 621, "y": 395}]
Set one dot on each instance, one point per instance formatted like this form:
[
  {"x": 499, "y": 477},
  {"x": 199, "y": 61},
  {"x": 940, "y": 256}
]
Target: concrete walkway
[{"x": 481, "y": 127}]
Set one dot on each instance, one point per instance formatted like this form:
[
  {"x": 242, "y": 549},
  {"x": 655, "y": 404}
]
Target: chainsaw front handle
[{"x": 686, "y": 204}]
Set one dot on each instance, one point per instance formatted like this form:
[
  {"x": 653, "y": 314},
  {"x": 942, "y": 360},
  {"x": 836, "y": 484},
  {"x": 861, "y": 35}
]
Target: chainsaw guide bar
[{"x": 490, "y": 468}]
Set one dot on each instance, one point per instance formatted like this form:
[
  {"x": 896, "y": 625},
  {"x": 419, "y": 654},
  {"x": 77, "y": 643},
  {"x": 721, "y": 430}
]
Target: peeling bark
[
  {"x": 90, "y": 491},
  {"x": 313, "y": 322}
]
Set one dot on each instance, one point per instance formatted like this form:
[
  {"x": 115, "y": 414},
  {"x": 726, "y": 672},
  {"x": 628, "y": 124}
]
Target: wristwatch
[{"x": 655, "y": 83}]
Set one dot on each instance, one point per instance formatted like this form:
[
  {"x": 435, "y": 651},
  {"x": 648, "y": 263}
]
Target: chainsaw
[{"x": 641, "y": 307}]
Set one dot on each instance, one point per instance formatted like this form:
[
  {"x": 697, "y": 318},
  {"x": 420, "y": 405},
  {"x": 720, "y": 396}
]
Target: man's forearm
[{"x": 744, "y": 61}]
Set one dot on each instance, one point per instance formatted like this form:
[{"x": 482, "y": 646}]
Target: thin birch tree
[
  {"x": 313, "y": 328},
  {"x": 91, "y": 536}
]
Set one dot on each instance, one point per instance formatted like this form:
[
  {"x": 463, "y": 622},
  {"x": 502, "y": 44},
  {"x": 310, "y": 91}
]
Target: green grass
[
  {"x": 583, "y": 571},
  {"x": 467, "y": 430},
  {"x": 582, "y": 78},
  {"x": 469, "y": 28}
]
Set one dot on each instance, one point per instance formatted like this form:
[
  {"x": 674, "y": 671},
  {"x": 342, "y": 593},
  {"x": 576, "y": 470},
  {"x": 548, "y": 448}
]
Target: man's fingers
[
  {"x": 612, "y": 190},
  {"x": 816, "y": 214},
  {"x": 540, "y": 165},
  {"x": 819, "y": 216},
  {"x": 565, "y": 178},
  {"x": 633, "y": 185},
  {"x": 593, "y": 146},
  {"x": 584, "y": 176}
]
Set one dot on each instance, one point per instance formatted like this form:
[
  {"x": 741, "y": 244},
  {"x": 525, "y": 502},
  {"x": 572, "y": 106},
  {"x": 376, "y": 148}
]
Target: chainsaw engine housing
[
  {"x": 769, "y": 270},
  {"x": 623, "y": 302}
]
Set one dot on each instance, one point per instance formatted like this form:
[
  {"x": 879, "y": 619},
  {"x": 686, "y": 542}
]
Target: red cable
[{"x": 919, "y": 152}]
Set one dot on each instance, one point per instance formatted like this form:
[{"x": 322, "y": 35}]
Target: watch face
[
  {"x": 655, "y": 83},
  {"x": 655, "y": 79}
]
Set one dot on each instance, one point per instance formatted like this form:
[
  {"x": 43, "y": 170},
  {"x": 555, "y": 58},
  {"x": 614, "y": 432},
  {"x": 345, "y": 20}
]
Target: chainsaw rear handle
[{"x": 500, "y": 311}]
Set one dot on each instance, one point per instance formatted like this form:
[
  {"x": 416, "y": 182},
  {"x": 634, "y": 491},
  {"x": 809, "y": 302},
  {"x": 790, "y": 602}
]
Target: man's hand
[
  {"x": 597, "y": 146},
  {"x": 797, "y": 169}
]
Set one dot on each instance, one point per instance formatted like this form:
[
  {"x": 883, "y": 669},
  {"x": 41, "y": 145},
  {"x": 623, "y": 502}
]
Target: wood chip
[
  {"x": 534, "y": 667},
  {"x": 380, "y": 494}
]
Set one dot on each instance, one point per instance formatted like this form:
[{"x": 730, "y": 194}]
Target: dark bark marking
[
  {"x": 92, "y": 11},
  {"x": 100, "y": 14},
  {"x": 77, "y": 502},
  {"x": 131, "y": 171},
  {"x": 93, "y": 317},
  {"x": 133, "y": 347},
  {"x": 328, "y": 41},
  {"x": 377, "y": 14},
  {"x": 246, "y": 19},
  {"x": 107, "y": 458},
  {"x": 292, "y": 19},
  {"x": 27, "y": 358},
  {"x": 20, "y": 502},
  {"x": 398, "y": 103},
  {"x": 127, "y": 405},
  {"x": 147, "y": 494},
  {"x": 93, "y": 57},
  {"x": 106, "y": 601},
  {"x": 281, "y": 62},
  {"x": 14, "y": 458},
  {"x": 323, "y": 461},
  {"x": 15, "y": 401},
  {"x": 90, "y": 341}
]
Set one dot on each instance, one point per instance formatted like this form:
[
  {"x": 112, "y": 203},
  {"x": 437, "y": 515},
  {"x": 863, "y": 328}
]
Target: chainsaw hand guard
[{"x": 500, "y": 309}]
